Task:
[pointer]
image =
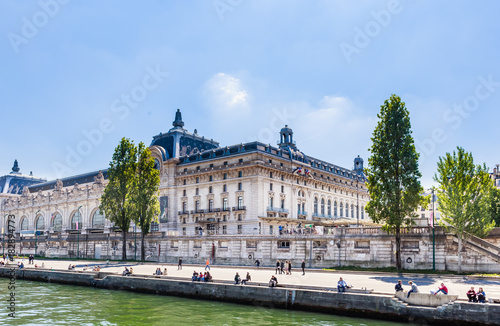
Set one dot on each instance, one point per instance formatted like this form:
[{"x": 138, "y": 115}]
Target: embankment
[{"x": 354, "y": 304}]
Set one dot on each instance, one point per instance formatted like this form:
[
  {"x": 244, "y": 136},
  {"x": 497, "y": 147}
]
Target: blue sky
[{"x": 77, "y": 76}]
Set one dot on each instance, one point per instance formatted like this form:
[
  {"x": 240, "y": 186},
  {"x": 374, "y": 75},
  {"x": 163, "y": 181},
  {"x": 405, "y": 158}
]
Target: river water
[{"x": 54, "y": 304}]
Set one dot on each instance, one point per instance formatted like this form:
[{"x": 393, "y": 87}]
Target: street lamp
[
  {"x": 357, "y": 199},
  {"x": 433, "y": 234},
  {"x": 3, "y": 235},
  {"x": 135, "y": 242},
  {"x": 78, "y": 231},
  {"x": 36, "y": 231}
]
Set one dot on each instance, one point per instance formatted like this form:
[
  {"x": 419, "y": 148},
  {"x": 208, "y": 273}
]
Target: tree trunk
[
  {"x": 398, "y": 248},
  {"x": 143, "y": 249},
  {"x": 124, "y": 246},
  {"x": 459, "y": 270}
]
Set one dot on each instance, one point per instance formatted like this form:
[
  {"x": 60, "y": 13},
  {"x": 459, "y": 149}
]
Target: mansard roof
[{"x": 69, "y": 181}]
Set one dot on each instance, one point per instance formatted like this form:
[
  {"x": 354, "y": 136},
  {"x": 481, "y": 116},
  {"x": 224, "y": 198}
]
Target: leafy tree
[
  {"x": 115, "y": 201},
  {"x": 393, "y": 175},
  {"x": 495, "y": 205},
  {"x": 464, "y": 197},
  {"x": 146, "y": 206}
]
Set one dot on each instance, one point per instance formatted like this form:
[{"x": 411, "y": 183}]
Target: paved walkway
[{"x": 379, "y": 282}]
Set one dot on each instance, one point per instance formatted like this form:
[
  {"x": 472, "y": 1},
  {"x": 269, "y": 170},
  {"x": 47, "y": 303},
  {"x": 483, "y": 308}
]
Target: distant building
[
  {"x": 425, "y": 213},
  {"x": 14, "y": 182},
  {"x": 495, "y": 175}
]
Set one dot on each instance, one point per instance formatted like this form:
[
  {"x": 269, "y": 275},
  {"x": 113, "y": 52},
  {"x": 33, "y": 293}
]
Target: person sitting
[
  {"x": 471, "y": 294},
  {"x": 165, "y": 271},
  {"x": 158, "y": 271},
  {"x": 125, "y": 272},
  {"x": 399, "y": 286},
  {"x": 208, "y": 277},
  {"x": 130, "y": 272},
  {"x": 442, "y": 289},
  {"x": 273, "y": 282},
  {"x": 414, "y": 289},
  {"x": 73, "y": 267},
  {"x": 481, "y": 296},
  {"x": 69, "y": 267},
  {"x": 202, "y": 277},
  {"x": 21, "y": 265},
  {"x": 247, "y": 278},
  {"x": 341, "y": 285},
  {"x": 237, "y": 278},
  {"x": 195, "y": 276},
  {"x": 43, "y": 265}
]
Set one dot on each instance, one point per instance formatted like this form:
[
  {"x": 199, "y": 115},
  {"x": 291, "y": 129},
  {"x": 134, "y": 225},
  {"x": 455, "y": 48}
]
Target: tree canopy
[
  {"x": 393, "y": 174},
  {"x": 464, "y": 195},
  {"x": 144, "y": 196}
]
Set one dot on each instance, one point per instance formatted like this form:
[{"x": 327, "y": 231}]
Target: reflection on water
[{"x": 55, "y": 304}]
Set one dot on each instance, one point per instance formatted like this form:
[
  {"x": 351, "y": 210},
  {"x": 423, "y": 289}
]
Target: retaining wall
[{"x": 353, "y": 304}]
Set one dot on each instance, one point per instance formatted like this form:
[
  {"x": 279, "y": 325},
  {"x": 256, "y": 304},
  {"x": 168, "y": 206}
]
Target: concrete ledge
[
  {"x": 354, "y": 304},
  {"x": 426, "y": 299}
]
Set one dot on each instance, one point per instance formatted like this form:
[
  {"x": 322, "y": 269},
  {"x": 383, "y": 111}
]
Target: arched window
[
  {"x": 329, "y": 207},
  {"x": 362, "y": 212},
  {"x": 77, "y": 217},
  {"x": 341, "y": 209},
  {"x": 98, "y": 220},
  {"x": 346, "y": 210},
  {"x": 322, "y": 206},
  {"x": 57, "y": 222},
  {"x": 335, "y": 208},
  {"x": 315, "y": 205},
  {"x": 40, "y": 223},
  {"x": 352, "y": 210},
  {"x": 24, "y": 224}
]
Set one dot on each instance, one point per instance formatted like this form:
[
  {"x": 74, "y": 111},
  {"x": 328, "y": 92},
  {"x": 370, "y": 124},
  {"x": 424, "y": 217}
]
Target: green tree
[
  {"x": 393, "y": 175},
  {"x": 115, "y": 201},
  {"x": 495, "y": 205},
  {"x": 145, "y": 193},
  {"x": 464, "y": 197}
]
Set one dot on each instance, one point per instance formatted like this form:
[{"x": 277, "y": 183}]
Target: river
[{"x": 55, "y": 304}]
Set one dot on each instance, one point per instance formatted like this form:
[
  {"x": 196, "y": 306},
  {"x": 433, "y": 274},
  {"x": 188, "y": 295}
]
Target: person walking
[
  {"x": 257, "y": 263},
  {"x": 282, "y": 267},
  {"x": 278, "y": 270},
  {"x": 179, "y": 265},
  {"x": 207, "y": 265},
  {"x": 303, "y": 266},
  {"x": 289, "y": 267}
]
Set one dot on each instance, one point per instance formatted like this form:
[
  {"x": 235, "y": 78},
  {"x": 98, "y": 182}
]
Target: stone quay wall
[
  {"x": 367, "y": 305},
  {"x": 352, "y": 246}
]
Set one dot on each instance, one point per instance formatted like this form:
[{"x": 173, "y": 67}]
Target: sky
[{"x": 77, "y": 76}]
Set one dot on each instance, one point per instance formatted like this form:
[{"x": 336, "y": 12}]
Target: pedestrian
[
  {"x": 289, "y": 267},
  {"x": 303, "y": 266},
  {"x": 257, "y": 263},
  {"x": 341, "y": 285},
  {"x": 247, "y": 278},
  {"x": 442, "y": 289},
  {"x": 414, "y": 289},
  {"x": 282, "y": 267},
  {"x": 179, "y": 265},
  {"x": 399, "y": 286},
  {"x": 207, "y": 264},
  {"x": 471, "y": 294},
  {"x": 286, "y": 267},
  {"x": 237, "y": 278},
  {"x": 481, "y": 296},
  {"x": 277, "y": 267}
]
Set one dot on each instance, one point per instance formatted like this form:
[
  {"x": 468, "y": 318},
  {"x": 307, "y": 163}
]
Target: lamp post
[
  {"x": 135, "y": 242},
  {"x": 78, "y": 231},
  {"x": 36, "y": 233},
  {"x": 357, "y": 199},
  {"x": 3, "y": 234},
  {"x": 433, "y": 232}
]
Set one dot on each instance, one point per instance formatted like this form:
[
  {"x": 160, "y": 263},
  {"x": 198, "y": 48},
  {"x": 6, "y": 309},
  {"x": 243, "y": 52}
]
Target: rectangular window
[
  {"x": 224, "y": 229},
  {"x": 210, "y": 189},
  {"x": 210, "y": 178},
  {"x": 184, "y": 220},
  {"x": 211, "y": 166},
  {"x": 282, "y": 189},
  {"x": 270, "y": 229},
  {"x": 185, "y": 181},
  {"x": 282, "y": 204},
  {"x": 210, "y": 205},
  {"x": 224, "y": 188},
  {"x": 224, "y": 218},
  {"x": 197, "y": 205},
  {"x": 198, "y": 168},
  {"x": 197, "y": 179},
  {"x": 271, "y": 186},
  {"x": 225, "y": 162},
  {"x": 270, "y": 175},
  {"x": 240, "y": 174},
  {"x": 240, "y": 229},
  {"x": 197, "y": 191},
  {"x": 224, "y": 204},
  {"x": 225, "y": 176},
  {"x": 239, "y": 217},
  {"x": 284, "y": 244},
  {"x": 282, "y": 177},
  {"x": 362, "y": 245},
  {"x": 183, "y": 231},
  {"x": 184, "y": 192},
  {"x": 240, "y": 202},
  {"x": 241, "y": 160},
  {"x": 184, "y": 207},
  {"x": 240, "y": 186},
  {"x": 271, "y": 202}
]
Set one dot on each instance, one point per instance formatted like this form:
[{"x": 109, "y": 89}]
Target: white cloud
[{"x": 226, "y": 94}]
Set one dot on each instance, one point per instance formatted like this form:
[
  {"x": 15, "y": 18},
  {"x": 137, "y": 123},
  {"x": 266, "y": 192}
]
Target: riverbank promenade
[{"x": 382, "y": 283}]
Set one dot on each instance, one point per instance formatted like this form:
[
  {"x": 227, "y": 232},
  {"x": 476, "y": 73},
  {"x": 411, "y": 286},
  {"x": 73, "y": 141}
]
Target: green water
[{"x": 55, "y": 304}]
